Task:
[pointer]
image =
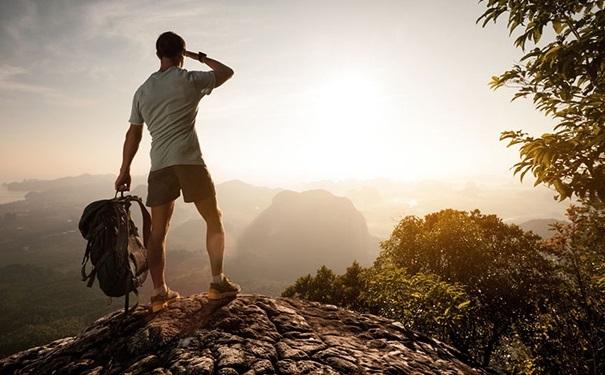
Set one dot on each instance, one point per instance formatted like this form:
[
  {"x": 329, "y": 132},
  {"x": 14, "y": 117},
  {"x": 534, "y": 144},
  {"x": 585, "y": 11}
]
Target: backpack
[{"x": 115, "y": 249}]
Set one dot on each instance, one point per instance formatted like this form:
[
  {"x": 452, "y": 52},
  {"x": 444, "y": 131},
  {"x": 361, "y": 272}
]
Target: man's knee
[
  {"x": 211, "y": 213},
  {"x": 160, "y": 221},
  {"x": 214, "y": 221}
]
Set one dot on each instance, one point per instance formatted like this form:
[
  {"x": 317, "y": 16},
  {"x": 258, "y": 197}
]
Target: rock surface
[{"x": 249, "y": 335}]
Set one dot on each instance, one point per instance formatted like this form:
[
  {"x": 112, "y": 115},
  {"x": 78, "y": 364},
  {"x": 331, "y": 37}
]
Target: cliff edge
[{"x": 249, "y": 335}]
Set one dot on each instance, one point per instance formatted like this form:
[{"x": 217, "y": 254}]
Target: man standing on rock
[{"x": 168, "y": 103}]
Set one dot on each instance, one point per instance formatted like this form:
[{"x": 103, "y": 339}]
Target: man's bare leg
[
  {"x": 156, "y": 252},
  {"x": 215, "y": 233},
  {"x": 221, "y": 286}
]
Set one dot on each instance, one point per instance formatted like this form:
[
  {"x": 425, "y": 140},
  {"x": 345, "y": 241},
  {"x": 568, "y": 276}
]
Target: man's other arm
[{"x": 131, "y": 146}]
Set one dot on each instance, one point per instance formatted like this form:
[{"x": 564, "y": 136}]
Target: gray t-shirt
[{"x": 168, "y": 103}]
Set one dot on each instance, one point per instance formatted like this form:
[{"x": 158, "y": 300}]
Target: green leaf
[{"x": 558, "y": 26}]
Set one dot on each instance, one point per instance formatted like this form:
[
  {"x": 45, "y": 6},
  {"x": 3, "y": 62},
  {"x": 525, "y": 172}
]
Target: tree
[
  {"x": 422, "y": 302},
  {"x": 327, "y": 287},
  {"x": 570, "y": 334},
  {"x": 566, "y": 80},
  {"x": 321, "y": 288},
  {"x": 501, "y": 267},
  {"x": 351, "y": 284}
]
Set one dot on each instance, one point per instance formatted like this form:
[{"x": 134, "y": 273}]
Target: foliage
[
  {"x": 321, "y": 288},
  {"x": 500, "y": 266},
  {"x": 502, "y": 295},
  {"x": 327, "y": 287},
  {"x": 466, "y": 278},
  {"x": 570, "y": 334},
  {"x": 422, "y": 302},
  {"x": 566, "y": 80},
  {"x": 351, "y": 284}
]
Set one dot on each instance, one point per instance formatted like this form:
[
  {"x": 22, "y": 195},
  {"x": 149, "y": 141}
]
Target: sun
[
  {"x": 347, "y": 117},
  {"x": 359, "y": 126}
]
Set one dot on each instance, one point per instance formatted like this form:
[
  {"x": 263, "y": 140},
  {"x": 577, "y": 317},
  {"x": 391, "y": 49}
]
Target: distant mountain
[
  {"x": 78, "y": 190},
  {"x": 299, "y": 233},
  {"x": 541, "y": 227},
  {"x": 63, "y": 182},
  {"x": 316, "y": 227},
  {"x": 384, "y": 202},
  {"x": 191, "y": 235},
  {"x": 240, "y": 203}
]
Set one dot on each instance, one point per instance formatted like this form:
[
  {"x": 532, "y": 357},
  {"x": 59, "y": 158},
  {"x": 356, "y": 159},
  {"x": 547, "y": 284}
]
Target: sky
[{"x": 323, "y": 90}]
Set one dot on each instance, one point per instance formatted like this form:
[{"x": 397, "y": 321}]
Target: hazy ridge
[{"x": 274, "y": 236}]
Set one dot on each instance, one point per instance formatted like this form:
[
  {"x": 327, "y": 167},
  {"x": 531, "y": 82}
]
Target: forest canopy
[{"x": 506, "y": 297}]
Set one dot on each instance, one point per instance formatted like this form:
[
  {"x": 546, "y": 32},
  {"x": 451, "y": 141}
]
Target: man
[{"x": 168, "y": 102}]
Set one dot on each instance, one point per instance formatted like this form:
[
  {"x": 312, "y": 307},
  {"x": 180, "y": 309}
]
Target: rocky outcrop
[{"x": 247, "y": 335}]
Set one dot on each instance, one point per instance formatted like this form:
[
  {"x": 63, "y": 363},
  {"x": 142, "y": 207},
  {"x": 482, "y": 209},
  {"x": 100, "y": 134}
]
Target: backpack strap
[
  {"x": 85, "y": 259},
  {"x": 146, "y": 220},
  {"x": 128, "y": 310},
  {"x": 144, "y": 213},
  {"x": 128, "y": 281},
  {"x": 146, "y": 231},
  {"x": 126, "y": 302},
  {"x": 93, "y": 272}
]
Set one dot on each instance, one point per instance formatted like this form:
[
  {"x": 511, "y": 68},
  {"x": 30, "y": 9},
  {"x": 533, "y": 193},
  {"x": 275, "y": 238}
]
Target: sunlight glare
[{"x": 347, "y": 118}]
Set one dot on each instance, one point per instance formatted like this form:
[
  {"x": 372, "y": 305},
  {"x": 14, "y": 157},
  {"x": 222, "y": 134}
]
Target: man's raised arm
[{"x": 221, "y": 71}]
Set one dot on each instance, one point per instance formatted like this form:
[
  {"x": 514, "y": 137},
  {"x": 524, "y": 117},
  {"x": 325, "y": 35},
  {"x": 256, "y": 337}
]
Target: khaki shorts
[{"x": 166, "y": 184}]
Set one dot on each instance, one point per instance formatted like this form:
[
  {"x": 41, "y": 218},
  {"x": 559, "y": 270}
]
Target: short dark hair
[{"x": 169, "y": 44}]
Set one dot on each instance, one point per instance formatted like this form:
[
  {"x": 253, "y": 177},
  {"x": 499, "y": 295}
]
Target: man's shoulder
[
  {"x": 150, "y": 77},
  {"x": 203, "y": 80},
  {"x": 197, "y": 74},
  {"x": 149, "y": 81}
]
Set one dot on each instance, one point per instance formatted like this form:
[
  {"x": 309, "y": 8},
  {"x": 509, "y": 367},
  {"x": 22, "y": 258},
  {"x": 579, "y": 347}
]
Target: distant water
[{"x": 7, "y": 196}]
